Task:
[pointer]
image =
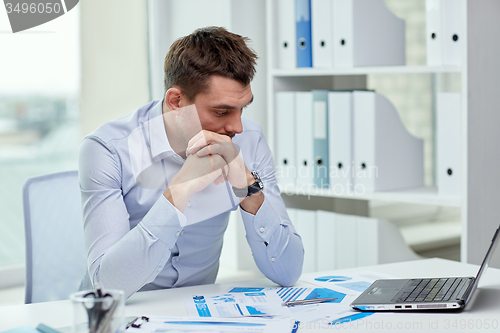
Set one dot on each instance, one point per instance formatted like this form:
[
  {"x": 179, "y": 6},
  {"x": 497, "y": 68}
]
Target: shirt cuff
[
  {"x": 263, "y": 224},
  {"x": 164, "y": 221}
]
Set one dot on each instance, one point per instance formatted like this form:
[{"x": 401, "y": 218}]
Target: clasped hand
[{"x": 214, "y": 146}]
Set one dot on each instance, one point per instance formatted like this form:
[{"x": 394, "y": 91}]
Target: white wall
[
  {"x": 174, "y": 19},
  {"x": 114, "y": 60}
]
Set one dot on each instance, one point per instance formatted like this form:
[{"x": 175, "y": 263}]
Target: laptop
[{"x": 452, "y": 293}]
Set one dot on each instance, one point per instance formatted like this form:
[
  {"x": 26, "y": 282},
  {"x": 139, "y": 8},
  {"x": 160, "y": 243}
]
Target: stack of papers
[{"x": 262, "y": 309}]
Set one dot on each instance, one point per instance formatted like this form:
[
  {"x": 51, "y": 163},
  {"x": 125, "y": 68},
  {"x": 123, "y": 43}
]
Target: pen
[{"x": 308, "y": 301}]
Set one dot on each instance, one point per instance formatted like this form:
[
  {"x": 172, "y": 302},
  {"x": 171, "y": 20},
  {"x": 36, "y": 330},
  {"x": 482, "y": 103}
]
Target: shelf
[
  {"x": 280, "y": 72},
  {"x": 424, "y": 196}
]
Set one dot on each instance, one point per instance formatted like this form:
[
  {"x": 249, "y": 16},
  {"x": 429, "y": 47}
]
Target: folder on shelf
[
  {"x": 320, "y": 140},
  {"x": 386, "y": 155},
  {"x": 305, "y": 225},
  {"x": 326, "y": 245},
  {"x": 303, "y": 30},
  {"x": 322, "y": 33},
  {"x": 340, "y": 141},
  {"x": 366, "y": 33},
  {"x": 448, "y": 141},
  {"x": 367, "y": 234},
  {"x": 453, "y": 30},
  {"x": 346, "y": 240},
  {"x": 380, "y": 242},
  {"x": 433, "y": 32},
  {"x": 285, "y": 139},
  {"x": 444, "y": 32},
  {"x": 286, "y": 46},
  {"x": 304, "y": 140}
]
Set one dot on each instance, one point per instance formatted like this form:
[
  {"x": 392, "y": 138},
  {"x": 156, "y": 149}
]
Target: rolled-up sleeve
[{"x": 276, "y": 247}]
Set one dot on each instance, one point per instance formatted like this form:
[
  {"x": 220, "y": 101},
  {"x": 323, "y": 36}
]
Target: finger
[
  {"x": 210, "y": 149},
  {"x": 195, "y": 145},
  {"x": 219, "y": 180},
  {"x": 204, "y": 138}
]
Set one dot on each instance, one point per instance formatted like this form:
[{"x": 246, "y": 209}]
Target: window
[{"x": 39, "y": 134}]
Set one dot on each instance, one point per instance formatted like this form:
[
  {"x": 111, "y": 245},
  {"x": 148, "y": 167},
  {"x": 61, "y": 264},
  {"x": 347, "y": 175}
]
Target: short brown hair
[{"x": 192, "y": 59}]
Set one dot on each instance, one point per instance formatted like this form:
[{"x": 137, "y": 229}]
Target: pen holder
[{"x": 98, "y": 311}]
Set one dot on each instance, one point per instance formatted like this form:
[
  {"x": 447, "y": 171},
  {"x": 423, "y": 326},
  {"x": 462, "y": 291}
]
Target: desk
[{"x": 169, "y": 302}]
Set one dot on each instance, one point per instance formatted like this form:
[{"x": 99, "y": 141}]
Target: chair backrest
[{"x": 55, "y": 251}]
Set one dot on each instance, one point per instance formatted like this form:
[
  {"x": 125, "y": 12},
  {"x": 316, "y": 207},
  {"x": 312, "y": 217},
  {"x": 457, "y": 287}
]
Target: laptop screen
[{"x": 484, "y": 265}]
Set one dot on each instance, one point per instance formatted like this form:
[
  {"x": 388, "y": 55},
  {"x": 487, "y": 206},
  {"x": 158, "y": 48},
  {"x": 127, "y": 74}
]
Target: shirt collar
[{"x": 159, "y": 144}]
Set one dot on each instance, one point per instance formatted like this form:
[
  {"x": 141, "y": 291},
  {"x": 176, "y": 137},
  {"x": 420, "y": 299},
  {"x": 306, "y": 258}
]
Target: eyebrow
[{"x": 230, "y": 107}]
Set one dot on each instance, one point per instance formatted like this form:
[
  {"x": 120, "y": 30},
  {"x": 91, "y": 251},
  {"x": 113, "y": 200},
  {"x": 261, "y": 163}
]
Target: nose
[{"x": 234, "y": 124}]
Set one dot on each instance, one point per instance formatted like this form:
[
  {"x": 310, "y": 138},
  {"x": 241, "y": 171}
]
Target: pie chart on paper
[{"x": 333, "y": 278}]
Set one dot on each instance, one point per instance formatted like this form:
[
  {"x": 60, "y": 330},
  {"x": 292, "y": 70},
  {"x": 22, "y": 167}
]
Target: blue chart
[
  {"x": 254, "y": 312},
  {"x": 333, "y": 278},
  {"x": 290, "y": 294},
  {"x": 293, "y": 294},
  {"x": 326, "y": 293}
]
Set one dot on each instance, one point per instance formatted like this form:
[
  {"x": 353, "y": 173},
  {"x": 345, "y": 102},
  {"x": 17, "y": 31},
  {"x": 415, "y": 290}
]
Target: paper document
[
  {"x": 180, "y": 324},
  {"x": 353, "y": 283},
  {"x": 239, "y": 302}
]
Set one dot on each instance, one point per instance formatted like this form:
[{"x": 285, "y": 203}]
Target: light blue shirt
[{"x": 135, "y": 238}]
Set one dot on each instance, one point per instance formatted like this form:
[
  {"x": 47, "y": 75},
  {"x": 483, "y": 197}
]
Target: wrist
[{"x": 178, "y": 196}]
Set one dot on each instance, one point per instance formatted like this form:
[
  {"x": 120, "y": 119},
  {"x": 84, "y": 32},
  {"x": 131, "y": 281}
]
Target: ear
[{"x": 174, "y": 99}]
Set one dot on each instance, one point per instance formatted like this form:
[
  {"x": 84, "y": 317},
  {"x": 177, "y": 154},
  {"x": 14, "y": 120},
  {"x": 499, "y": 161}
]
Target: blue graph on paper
[
  {"x": 253, "y": 311},
  {"x": 293, "y": 294},
  {"x": 333, "y": 278}
]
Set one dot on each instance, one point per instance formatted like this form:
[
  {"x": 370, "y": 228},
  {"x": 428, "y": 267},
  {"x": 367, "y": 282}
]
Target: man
[{"x": 158, "y": 184}]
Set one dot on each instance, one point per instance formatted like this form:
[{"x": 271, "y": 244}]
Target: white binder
[
  {"x": 449, "y": 126},
  {"x": 326, "y": 246},
  {"x": 433, "y": 32},
  {"x": 346, "y": 240},
  {"x": 386, "y": 155},
  {"x": 343, "y": 34},
  {"x": 444, "y": 32},
  {"x": 340, "y": 126},
  {"x": 305, "y": 224},
  {"x": 380, "y": 242},
  {"x": 366, "y": 33},
  {"x": 320, "y": 139},
  {"x": 453, "y": 31},
  {"x": 287, "y": 47},
  {"x": 304, "y": 140},
  {"x": 367, "y": 252},
  {"x": 285, "y": 136},
  {"x": 322, "y": 33}
]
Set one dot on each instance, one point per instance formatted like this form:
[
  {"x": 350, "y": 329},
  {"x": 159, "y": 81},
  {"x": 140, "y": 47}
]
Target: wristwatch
[{"x": 252, "y": 189}]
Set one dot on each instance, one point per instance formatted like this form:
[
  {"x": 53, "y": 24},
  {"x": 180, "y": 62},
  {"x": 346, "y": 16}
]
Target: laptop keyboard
[{"x": 430, "y": 290}]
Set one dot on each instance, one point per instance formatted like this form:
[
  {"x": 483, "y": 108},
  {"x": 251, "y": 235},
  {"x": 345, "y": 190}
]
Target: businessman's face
[{"x": 220, "y": 107}]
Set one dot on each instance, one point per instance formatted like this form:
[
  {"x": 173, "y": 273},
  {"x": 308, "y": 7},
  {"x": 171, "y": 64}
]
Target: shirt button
[
  {"x": 273, "y": 258},
  {"x": 182, "y": 232},
  {"x": 159, "y": 269},
  {"x": 189, "y": 204},
  {"x": 177, "y": 234},
  {"x": 176, "y": 258},
  {"x": 262, "y": 229}
]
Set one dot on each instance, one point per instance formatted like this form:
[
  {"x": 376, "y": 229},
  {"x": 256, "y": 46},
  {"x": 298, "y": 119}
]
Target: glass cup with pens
[{"x": 98, "y": 311}]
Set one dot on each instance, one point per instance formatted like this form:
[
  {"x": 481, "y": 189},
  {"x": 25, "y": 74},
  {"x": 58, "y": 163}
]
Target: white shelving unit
[
  {"x": 479, "y": 73},
  {"x": 279, "y": 72}
]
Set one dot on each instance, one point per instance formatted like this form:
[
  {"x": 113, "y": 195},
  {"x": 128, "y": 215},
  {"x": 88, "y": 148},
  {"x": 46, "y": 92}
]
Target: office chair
[{"x": 55, "y": 251}]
